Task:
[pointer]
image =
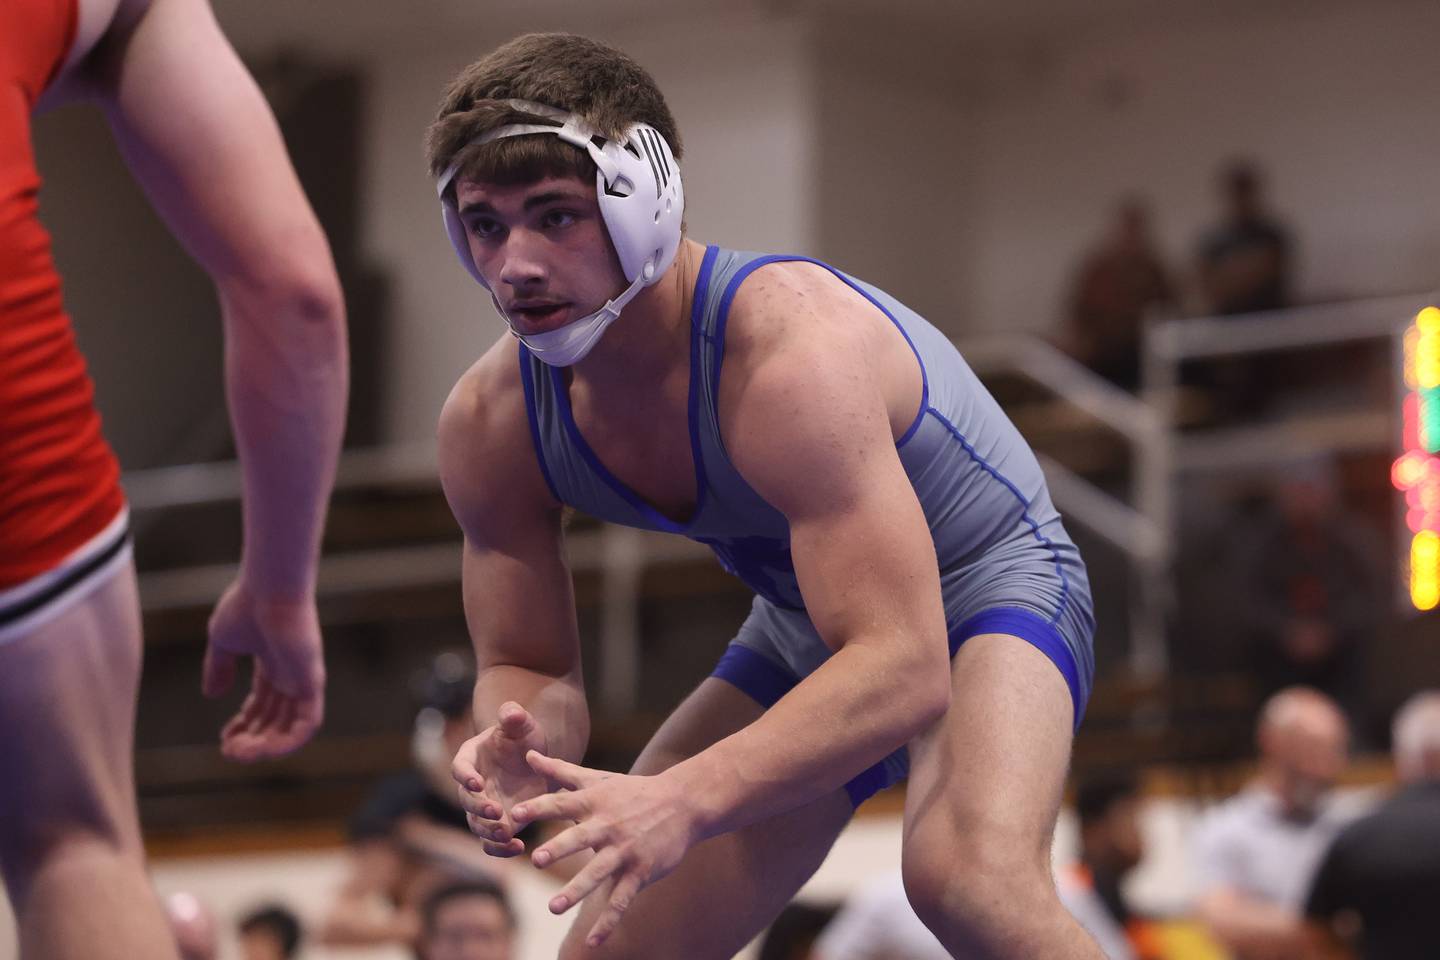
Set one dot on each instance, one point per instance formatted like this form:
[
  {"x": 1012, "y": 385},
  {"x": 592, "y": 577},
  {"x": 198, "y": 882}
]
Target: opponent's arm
[
  {"x": 196, "y": 132},
  {"x": 199, "y": 137}
]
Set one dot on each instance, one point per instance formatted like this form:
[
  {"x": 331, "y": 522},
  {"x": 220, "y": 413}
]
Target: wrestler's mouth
[{"x": 540, "y": 317}]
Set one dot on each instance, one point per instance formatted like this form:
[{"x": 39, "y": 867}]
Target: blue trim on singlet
[
  {"x": 534, "y": 417},
  {"x": 702, "y": 485},
  {"x": 765, "y": 682},
  {"x": 1025, "y": 504},
  {"x": 869, "y": 782},
  {"x": 760, "y": 678},
  {"x": 733, "y": 287},
  {"x": 1034, "y": 630}
]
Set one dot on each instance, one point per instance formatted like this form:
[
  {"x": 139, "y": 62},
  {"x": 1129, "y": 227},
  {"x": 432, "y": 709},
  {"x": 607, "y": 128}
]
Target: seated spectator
[
  {"x": 468, "y": 920},
  {"x": 1117, "y": 284},
  {"x": 1256, "y": 852},
  {"x": 794, "y": 933},
  {"x": 1384, "y": 870},
  {"x": 269, "y": 933},
  {"x": 1111, "y": 846},
  {"x": 411, "y": 835},
  {"x": 1245, "y": 261}
]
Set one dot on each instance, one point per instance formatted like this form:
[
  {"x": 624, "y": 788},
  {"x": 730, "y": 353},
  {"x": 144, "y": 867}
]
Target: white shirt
[{"x": 1245, "y": 844}]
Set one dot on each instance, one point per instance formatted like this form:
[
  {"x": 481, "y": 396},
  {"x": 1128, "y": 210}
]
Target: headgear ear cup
[
  {"x": 455, "y": 230},
  {"x": 644, "y": 225}
]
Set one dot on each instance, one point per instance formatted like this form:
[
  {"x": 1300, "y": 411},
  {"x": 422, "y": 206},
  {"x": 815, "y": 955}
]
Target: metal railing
[{"x": 1144, "y": 528}]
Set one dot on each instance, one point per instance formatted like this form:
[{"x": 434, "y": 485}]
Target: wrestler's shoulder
[
  {"x": 487, "y": 403},
  {"x": 800, "y": 322}
]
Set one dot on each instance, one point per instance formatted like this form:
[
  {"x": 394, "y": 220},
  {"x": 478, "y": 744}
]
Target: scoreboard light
[
  {"x": 1425, "y": 570},
  {"x": 1416, "y": 472}
]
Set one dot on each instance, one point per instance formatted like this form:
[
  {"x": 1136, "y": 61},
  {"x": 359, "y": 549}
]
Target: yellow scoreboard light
[{"x": 1416, "y": 472}]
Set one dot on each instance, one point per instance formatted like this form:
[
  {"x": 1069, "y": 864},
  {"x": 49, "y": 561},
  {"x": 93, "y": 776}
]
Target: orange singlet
[{"x": 59, "y": 482}]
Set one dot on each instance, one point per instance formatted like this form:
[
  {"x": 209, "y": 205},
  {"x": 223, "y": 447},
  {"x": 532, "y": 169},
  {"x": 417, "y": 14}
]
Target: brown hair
[{"x": 586, "y": 77}]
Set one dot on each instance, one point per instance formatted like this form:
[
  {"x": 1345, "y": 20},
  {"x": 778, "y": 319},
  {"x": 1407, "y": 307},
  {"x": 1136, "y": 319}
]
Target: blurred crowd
[
  {"x": 1242, "y": 265},
  {"x": 1298, "y": 864}
]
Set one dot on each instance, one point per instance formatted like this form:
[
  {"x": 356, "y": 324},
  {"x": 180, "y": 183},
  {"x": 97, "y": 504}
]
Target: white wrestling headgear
[{"x": 644, "y": 224}]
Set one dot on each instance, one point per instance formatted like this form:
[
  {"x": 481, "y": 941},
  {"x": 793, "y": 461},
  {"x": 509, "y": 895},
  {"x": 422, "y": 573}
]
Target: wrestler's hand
[
  {"x": 639, "y": 828},
  {"x": 287, "y": 687},
  {"x": 493, "y": 777}
]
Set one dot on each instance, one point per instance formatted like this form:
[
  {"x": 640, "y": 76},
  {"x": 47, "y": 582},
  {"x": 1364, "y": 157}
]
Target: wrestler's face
[{"x": 542, "y": 248}]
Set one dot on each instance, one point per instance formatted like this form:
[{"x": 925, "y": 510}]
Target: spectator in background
[
  {"x": 1245, "y": 261},
  {"x": 269, "y": 933},
  {"x": 411, "y": 835},
  {"x": 1111, "y": 846},
  {"x": 468, "y": 920},
  {"x": 1256, "y": 853},
  {"x": 1306, "y": 575},
  {"x": 1384, "y": 869},
  {"x": 1118, "y": 282},
  {"x": 193, "y": 925},
  {"x": 794, "y": 933}
]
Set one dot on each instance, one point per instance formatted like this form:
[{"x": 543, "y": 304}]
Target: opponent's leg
[
  {"x": 728, "y": 888},
  {"x": 70, "y": 847},
  {"x": 985, "y": 788}
]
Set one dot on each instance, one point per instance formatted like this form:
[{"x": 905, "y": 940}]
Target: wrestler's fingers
[
  {"x": 594, "y": 873},
  {"x": 624, "y": 894}
]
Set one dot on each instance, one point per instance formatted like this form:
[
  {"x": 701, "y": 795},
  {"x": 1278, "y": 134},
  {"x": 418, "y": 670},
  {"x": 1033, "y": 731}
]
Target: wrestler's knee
[{"x": 978, "y": 886}]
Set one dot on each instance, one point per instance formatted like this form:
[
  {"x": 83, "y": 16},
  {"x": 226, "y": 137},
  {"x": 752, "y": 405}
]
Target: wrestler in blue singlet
[{"x": 1006, "y": 562}]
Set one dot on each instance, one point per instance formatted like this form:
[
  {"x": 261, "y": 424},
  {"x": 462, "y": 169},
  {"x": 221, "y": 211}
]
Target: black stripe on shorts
[{"x": 29, "y": 605}]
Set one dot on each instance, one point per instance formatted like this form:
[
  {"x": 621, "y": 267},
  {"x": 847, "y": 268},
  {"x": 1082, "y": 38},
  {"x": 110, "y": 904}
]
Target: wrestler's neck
[{"x": 650, "y": 341}]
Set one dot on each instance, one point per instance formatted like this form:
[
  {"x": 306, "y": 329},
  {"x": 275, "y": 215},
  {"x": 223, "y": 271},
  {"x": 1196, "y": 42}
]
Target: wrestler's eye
[
  {"x": 557, "y": 218},
  {"x": 486, "y": 228}
]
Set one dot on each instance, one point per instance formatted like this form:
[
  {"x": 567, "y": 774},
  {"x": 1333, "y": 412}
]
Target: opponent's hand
[
  {"x": 639, "y": 828},
  {"x": 493, "y": 777},
  {"x": 287, "y": 687}
]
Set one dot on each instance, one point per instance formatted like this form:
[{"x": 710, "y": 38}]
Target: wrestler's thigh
[
  {"x": 730, "y": 887},
  {"x": 986, "y": 781},
  {"x": 67, "y": 713}
]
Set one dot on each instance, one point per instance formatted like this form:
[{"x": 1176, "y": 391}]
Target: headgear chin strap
[{"x": 644, "y": 229}]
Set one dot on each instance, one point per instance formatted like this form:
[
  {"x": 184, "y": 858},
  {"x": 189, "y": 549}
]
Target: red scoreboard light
[{"x": 1416, "y": 472}]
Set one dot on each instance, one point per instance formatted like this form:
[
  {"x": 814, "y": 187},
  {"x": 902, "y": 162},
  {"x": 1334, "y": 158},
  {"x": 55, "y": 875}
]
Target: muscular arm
[
  {"x": 809, "y": 429},
  {"x": 197, "y": 134},
  {"x": 519, "y": 603}
]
